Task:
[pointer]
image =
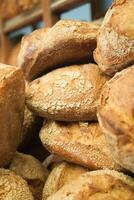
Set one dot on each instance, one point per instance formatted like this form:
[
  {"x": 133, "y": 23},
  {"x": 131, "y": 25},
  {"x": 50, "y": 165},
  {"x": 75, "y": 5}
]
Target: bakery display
[
  {"x": 31, "y": 170},
  {"x": 67, "y": 42},
  {"x": 61, "y": 174},
  {"x": 115, "y": 40},
  {"x": 101, "y": 184},
  {"x": 116, "y": 116},
  {"x": 82, "y": 143},
  {"x": 12, "y": 99},
  {"x": 67, "y": 113},
  {"x": 13, "y": 187},
  {"x": 67, "y": 94}
]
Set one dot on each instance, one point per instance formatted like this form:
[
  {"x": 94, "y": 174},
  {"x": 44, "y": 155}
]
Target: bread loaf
[
  {"x": 116, "y": 117},
  {"x": 67, "y": 42},
  {"x": 13, "y": 187},
  {"x": 115, "y": 41},
  {"x": 97, "y": 185},
  {"x": 67, "y": 94},
  {"x": 62, "y": 174},
  {"x": 32, "y": 171},
  {"x": 12, "y": 100},
  {"x": 81, "y": 143}
]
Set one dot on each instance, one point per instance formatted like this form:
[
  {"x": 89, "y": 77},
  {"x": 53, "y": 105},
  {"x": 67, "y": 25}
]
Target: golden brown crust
[
  {"x": 115, "y": 41},
  {"x": 81, "y": 143},
  {"x": 67, "y": 94},
  {"x": 62, "y": 174},
  {"x": 31, "y": 170},
  {"x": 12, "y": 99},
  {"x": 67, "y": 42},
  {"x": 116, "y": 117},
  {"x": 13, "y": 187},
  {"x": 101, "y": 184}
]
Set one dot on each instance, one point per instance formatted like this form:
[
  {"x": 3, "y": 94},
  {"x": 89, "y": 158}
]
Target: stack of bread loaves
[{"x": 88, "y": 110}]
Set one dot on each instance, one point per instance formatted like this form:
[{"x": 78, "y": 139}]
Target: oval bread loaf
[
  {"x": 67, "y": 42},
  {"x": 67, "y": 94},
  {"x": 81, "y": 143}
]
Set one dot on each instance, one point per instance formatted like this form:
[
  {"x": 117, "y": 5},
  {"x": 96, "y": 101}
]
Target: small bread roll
[
  {"x": 97, "y": 185},
  {"x": 67, "y": 42},
  {"x": 116, "y": 116},
  {"x": 32, "y": 171},
  {"x": 81, "y": 143},
  {"x": 13, "y": 187},
  {"x": 62, "y": 174},
  {"x": 115, "y": 41},
  {"x": 12, "y": 100},
  {"x": 67, "y": 94}
]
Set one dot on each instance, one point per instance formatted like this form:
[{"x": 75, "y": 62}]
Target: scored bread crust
[
  {"x": 13, "y": 187},
  {"x": 116, "y": 117},
  {"x": 67, "y": 42},
  {"x": 12, "y": 100},
  {"x": 80, "y": 143},
  {"x": 100, "y": 184},
  {"x": 115, "y": 40},
  {"x": 67, "y": 94},
  {"x": 61, "y": 174}
]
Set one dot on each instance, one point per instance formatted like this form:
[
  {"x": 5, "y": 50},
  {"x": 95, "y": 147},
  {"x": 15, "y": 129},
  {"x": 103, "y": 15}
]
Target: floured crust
[
  {"x": 101, "y": 184},
  {"x": 67, "y": 94},
  {"x": 67, "y": 42},
  {"x": 62, "y": 174},
  {"x": 116, "y": 117},
  {"x": 13, "y": 187},
  {"x": 80, "y": 143},
  {"x": 115, "y": 40},
  {"x": 12, "y": 100}
]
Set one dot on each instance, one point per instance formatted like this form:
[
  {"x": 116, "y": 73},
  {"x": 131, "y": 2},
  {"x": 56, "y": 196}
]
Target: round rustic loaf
[
  {"x": 67, "y": 94},
  {"x": 116, "y": 116},
  {"x": 115, "y": 40}
]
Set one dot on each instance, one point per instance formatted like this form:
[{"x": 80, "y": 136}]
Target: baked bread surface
[
  {"x": 116, "y": 116},
  {"x": 81, "y": 143},
  {"x": 67, "y": 94},
  {"x": 115, "y": 40},
  {"x": 67, "y": 42}
]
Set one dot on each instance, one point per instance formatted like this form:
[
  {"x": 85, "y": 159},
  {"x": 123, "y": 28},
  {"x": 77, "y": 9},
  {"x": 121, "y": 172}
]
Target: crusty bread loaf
[
  {"x": 97, "y": 185},
  {"x": 13, "y": 187},
  {"x": 31, "y": 170},
  {"x": 116, "y": 116},
  {"x": 12, "y": 100},
  {"x": 115, "y": 41},
  {"x": 62, "y": 174},
  {"x": 67, "y": 42},
  {"x": 81, "y": 143},
  {"x": 67, "y": 94}
]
